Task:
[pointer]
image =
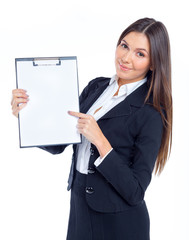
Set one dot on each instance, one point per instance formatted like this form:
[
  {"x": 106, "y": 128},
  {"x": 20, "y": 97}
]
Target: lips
[{"x": 124, "y": 68}]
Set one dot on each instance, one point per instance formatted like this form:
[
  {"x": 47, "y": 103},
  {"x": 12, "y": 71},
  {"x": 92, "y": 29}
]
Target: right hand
[{"x": 19, "y": 101}]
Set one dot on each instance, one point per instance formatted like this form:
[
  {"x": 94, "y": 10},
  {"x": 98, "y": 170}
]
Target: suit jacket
[{"x": 134, "y": 130}]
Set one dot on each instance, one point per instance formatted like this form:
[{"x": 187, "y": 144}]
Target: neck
[{"x": 122, "y": 82}]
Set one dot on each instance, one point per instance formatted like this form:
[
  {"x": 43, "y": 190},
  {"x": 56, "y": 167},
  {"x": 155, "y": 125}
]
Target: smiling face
[{"x": 132, "y": 58}]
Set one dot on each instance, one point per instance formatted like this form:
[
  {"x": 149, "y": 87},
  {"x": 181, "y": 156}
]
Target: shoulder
[
  {"x": 146, "y": 119},
  {"x": 148, "y": 111},
  {"x": 93, "y": 85},
  {"x": 97, "y": 82}
]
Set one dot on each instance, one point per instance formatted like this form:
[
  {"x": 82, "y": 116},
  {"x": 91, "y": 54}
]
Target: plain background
[{"x": 34, "y": 203}]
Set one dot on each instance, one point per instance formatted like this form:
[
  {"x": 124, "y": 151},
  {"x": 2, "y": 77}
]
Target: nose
[{"x": 126, "y": 58}]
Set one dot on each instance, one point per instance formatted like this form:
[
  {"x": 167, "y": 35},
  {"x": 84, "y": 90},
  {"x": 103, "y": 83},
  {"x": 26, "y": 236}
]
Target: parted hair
[{"x": 158, "y": 79}]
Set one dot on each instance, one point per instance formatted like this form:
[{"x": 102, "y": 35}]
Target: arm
[
  {"x": 54, "y": 149},
  {"x": 131, "y": 181}
]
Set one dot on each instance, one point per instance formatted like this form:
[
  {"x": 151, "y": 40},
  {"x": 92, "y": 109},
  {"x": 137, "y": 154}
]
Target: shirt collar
[
  {"x": 127, "y": 88},
  {"x": 133, "y": 86},
  {"x": 113, "y": 79}
]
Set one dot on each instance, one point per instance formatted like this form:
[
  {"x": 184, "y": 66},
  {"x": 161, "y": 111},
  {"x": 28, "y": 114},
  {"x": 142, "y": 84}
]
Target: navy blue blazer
[{"x": 134, "y": 130}]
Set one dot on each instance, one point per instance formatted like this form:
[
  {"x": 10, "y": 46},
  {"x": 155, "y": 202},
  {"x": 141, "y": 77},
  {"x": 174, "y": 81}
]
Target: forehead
[{"x": 137, "y": 40}]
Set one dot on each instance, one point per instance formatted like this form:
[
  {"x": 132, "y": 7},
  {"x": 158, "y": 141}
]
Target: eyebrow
[{"x": 143, "y": 49}]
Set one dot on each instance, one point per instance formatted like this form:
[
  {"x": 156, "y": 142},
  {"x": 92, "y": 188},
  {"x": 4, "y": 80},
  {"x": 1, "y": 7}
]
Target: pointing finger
[{"x": 78, "y": 114}]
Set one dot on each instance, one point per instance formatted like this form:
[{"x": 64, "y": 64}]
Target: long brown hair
[{"x": 158, "y": 79}]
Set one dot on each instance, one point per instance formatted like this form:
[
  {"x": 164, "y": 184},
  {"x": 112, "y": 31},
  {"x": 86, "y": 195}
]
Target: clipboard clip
[{"x": 46, "y": 62}]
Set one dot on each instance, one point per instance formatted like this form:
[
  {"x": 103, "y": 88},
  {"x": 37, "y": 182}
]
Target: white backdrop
[{"x": 34, "y": 203}]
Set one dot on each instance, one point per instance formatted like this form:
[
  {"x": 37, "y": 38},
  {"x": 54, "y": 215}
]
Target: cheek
[
  {"x": 117, "y": 54},
  {"x": 116, "y": 59},
  {"x": 142, "y": 65}
]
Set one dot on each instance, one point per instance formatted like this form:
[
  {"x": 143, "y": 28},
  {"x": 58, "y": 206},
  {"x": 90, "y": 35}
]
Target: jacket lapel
[
  {"x": 135, "y": 99},
  {"x": 94, "y": 95}
]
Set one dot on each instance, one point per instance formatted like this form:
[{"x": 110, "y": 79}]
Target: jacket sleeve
[
  {"x": 56, "y": 149},
  {"x": 132, "y": 180}
]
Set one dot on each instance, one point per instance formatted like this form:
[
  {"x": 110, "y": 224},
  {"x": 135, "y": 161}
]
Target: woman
[{"x": 126, "y": 127}]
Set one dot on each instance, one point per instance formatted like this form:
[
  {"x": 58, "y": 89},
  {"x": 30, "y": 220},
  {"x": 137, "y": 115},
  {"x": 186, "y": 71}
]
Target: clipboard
[{"x": 53, "y": 89}]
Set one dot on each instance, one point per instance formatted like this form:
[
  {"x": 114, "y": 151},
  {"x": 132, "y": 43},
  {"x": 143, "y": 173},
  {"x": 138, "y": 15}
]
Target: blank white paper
[{"x": 53, "y": 91}]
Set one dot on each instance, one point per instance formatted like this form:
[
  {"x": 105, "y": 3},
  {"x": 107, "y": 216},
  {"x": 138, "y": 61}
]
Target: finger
[
  {"x": 18, "y": 109},
  {"x": 18, "y": 101},
  {"x": 18, "y": 95},
  {"x": 79, "y": 129},
  {"x": 81, "y": 125},
  {"x": 78, "y": 114},
  {"x": 83, "y": 120},
  {"x": 18, "y": 91},
  {"x": 14, "y": 104},
  {"x": 23, "y": 95},
  {"x": 22, "y": 106}
]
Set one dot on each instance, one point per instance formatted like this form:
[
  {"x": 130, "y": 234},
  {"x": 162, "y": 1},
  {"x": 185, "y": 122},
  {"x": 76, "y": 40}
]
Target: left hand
[{"x": 88, "y": 127}]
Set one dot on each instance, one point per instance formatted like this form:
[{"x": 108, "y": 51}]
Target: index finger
[{"x": 77, "y": 114}]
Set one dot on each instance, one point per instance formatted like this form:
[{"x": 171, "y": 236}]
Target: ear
[{"x": 151, "y": 69}]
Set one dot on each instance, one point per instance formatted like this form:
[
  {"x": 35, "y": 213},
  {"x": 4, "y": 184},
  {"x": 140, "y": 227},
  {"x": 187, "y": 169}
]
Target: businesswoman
[{"x": 126, "y": 126}]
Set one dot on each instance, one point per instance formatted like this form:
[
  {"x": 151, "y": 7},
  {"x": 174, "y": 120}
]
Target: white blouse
[{"x": 105, "y": 102}]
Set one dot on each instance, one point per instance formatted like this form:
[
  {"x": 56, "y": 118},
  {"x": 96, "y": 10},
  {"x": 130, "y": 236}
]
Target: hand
[
  {"x": 89, "y": 128},
  {"x": 19, "y": 100}
]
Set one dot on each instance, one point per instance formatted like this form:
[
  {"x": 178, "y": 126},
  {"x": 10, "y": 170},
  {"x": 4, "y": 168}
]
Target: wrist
[{"x": 103, "y": 146}]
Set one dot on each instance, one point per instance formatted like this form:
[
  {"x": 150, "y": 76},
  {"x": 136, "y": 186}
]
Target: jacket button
[
  {"x": 91, "y": 170},
  {"x": 89, "y": 190},
  {"x": 92, "y": 151}
]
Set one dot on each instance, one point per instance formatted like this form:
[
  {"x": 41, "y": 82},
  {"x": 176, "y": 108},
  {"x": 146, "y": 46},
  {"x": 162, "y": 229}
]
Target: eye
[
  {"x": 140, "y": 54},
  {"x": 124, "y": 45}
]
